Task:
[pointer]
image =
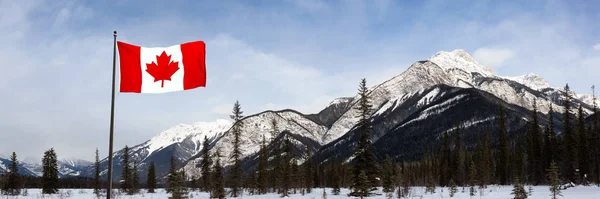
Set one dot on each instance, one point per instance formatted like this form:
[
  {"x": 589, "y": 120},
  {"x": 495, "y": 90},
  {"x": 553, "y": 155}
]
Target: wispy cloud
[{"x": 492, "y": 57}]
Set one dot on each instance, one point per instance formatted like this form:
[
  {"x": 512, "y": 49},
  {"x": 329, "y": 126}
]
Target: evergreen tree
[
  {"x": 335, "y": 175},
  {"x": 458, "y": 157},
  {"x": 427, "y": 160},
  {"x": 252, "y": 182},
  {"x": 205, "y": 164},
  {"x": 308, "y": 171},
  {"x": 135, "y": 180},
  {"x": 50, "y": 172},
  {"x": 519, "y": 163},
  {"x": 125, "y": 174},
  {"x": 452, "y": 189},
  {"x": 403, "y": 188},
  {"x": 388, "y": 175},
  {"x": 472, "y": 178},
  {"x": 286, "y": 170},
  {"x": 595, "y": 133},
  {"x": 535, "y": 155},
  {"x": 294, "y": 177},
  {"x": 363, "y": 187},
  {"x": 570, "y": 141},
  {"x": 151, "y": 178},
  {"x": 218, "y": 190},
  {"x": 97, "y": 174},
  {"x": 13, "y": 181},
  {"x": 278, "y": 167},
  {"x": 365, "y": 159},
  {"x": 236, "y": 172},
  {"x": 519, "y": 190},
  {"x": 502, "y": 168},
  {"x": 584, "y": 148},
  {"x": 445, "y": 160},
  {"x": 485, "y": 162},
  {"x": 553, "y": 180},
  {"x": 551, "y": 142},
  {"x": 172, "y": 178},
  {"x": 262, "y": 168},
  {"x": 178, "y": 190}
]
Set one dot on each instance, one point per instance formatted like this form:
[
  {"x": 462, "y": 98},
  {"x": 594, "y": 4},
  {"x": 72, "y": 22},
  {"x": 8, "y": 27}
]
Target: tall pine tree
[
  {"x": 518, "y": 160},
  {"x": 502, "y": 168},
  {"x": 553, "y": 180},
  {"x": 536, "y": 161},
  {"x": 458, "y": 157},
  {"x": 205, "y": 164},
  {"x": 13, "y": 184},
  {"x": 287, "y": 169},
  {"x": 365, "y": 159},
  {"x": 125, "y": 173},
  {"x": 570, "y": 140},
  {"x": 135, "y": 180},
  {"x": 551, "y": 143},
  {"x": 50, "y": 172},
  {"x": 172, "y": 177},
  {"x": 218, "y": 189},
  {"x": 484, "y": 162},
  {"x": 445, "y": 160},
  {"x": 151, "y": 178},
  {"x": 596, "y": 138},
  {"x": 584, "y": 148},
  {"x": 262, "y": 168},
  {"x": 308, "y": 171},
  {"x": 97, "y": 174},
  {"x": 388, "y": 175},
  {"x": 236, "y": 173}
]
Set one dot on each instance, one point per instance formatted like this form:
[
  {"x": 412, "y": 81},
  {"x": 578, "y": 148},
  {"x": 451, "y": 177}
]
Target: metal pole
[{"x": 112, "y": 119}]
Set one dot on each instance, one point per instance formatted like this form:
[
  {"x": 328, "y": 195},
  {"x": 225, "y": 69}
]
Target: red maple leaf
[{"x": 164, "y": 69}]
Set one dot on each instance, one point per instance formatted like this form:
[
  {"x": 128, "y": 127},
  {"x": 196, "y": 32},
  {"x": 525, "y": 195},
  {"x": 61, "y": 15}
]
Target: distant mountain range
[
  {"x": 411, "y": 112},
  {"x": 32, "y": 167}
]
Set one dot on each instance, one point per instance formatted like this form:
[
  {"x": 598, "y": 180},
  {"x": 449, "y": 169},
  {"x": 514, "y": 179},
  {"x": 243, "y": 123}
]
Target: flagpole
[{"x": 112, "y": 120}]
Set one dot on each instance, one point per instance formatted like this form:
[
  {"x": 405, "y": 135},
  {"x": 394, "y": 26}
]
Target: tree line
[{"x": 536, "y": 155}]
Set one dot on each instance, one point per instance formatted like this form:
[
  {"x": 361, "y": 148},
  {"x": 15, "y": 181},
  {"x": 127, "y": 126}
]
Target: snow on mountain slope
[
  {"x": 414, "y": 80},
  {"x": 66, "y": 167},
  {"x": 460, "y": 66},
  {"x": 588, "y": 99},
  {"x": 531, "y": 80},
  {"x": 178, "y": 133},
  {"x": 259, "y": 125},
  {"x": 458, "y": 69}
]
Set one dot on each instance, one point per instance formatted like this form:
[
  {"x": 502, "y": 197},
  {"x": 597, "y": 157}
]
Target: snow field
[{"x": 492, "y": 192}]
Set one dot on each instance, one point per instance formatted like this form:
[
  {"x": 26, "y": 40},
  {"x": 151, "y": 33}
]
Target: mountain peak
[
  {"x": 531, "y": 80},
  {"x": 459, "y": 59},
  {"x": 340, "y": 100}
]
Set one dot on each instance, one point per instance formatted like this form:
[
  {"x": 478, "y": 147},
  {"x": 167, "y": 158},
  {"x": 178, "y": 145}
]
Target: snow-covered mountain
[
  {"x": 181, "y": 141},
  {"x": 445, "y": 89},
  {"x": 259, "y": 125},
  {"x": 531, "y": 80},
  {"x": 33, "y": 167}
]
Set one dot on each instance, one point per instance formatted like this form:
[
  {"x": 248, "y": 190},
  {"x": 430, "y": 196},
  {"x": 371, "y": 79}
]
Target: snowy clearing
[{"x": 492, "y": 192}]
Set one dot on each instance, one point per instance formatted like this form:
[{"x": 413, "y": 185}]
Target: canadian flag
[{"x": 162, "y": 69}]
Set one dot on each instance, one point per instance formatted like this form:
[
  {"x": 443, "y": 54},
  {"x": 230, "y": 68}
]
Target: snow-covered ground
[{"x": 493, "y": 192}]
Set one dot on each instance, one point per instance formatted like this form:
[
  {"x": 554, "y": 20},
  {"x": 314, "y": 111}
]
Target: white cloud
[
  {"x": 597, "y": 46},
  {"x": 492, "y": 57},
  {"x": 223, "y": 109}
]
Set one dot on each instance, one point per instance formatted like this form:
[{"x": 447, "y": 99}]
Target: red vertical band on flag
[
  {"x": 131, "y": 72},
  {"x": 194, "y": 54}
]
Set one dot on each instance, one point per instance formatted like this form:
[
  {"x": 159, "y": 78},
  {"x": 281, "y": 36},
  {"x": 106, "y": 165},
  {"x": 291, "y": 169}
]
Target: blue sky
[{"x": 300, "y": 54}]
